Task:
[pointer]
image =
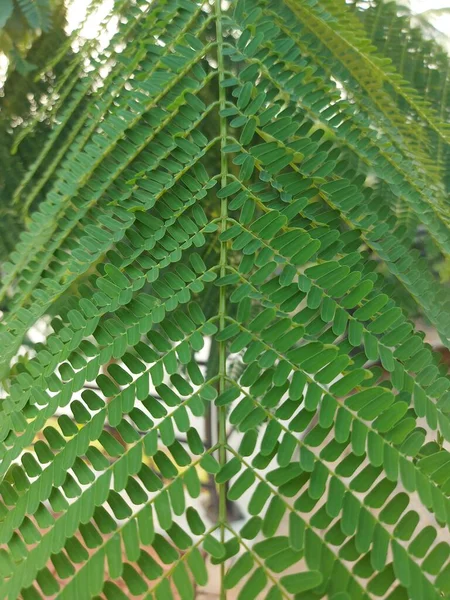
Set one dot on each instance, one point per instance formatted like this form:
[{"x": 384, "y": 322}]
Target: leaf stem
[{"x": 222, "y": 413}]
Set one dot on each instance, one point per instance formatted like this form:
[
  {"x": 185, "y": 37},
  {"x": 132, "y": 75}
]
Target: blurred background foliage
[{"x": 30, "y": 32}]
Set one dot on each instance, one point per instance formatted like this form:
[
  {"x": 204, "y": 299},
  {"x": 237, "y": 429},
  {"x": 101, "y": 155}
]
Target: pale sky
[
  {"x": 443, "y": 21},
  {"x": 76, "y": 12}
]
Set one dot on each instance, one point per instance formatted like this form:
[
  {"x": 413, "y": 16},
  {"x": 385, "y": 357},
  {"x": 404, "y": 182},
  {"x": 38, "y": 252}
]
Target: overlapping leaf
[{"x": 212, "y": 197}]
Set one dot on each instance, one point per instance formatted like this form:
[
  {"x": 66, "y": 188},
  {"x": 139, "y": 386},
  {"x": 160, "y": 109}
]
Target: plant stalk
[{"x": 222, "y": 415}]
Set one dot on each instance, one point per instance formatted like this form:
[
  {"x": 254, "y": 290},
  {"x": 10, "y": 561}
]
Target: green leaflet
[
  {"x": 301, "y": 582},
  {"x": 205, "y": 250}
]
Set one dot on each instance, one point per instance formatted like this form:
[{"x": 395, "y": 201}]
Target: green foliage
[
  {"x": 27, "y": 50},
  {"x": 236, "y": 176},
  {"x": 31, "y": 101},
  {"x": 20, "y": 22}
]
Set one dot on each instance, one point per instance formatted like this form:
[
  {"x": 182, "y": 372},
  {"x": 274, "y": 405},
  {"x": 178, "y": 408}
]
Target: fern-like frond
[{"x": 212, "y": 193}]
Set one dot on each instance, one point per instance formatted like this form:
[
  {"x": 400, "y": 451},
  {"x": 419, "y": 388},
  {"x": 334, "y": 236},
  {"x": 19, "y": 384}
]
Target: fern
[{"x": 214, "y": 188}]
